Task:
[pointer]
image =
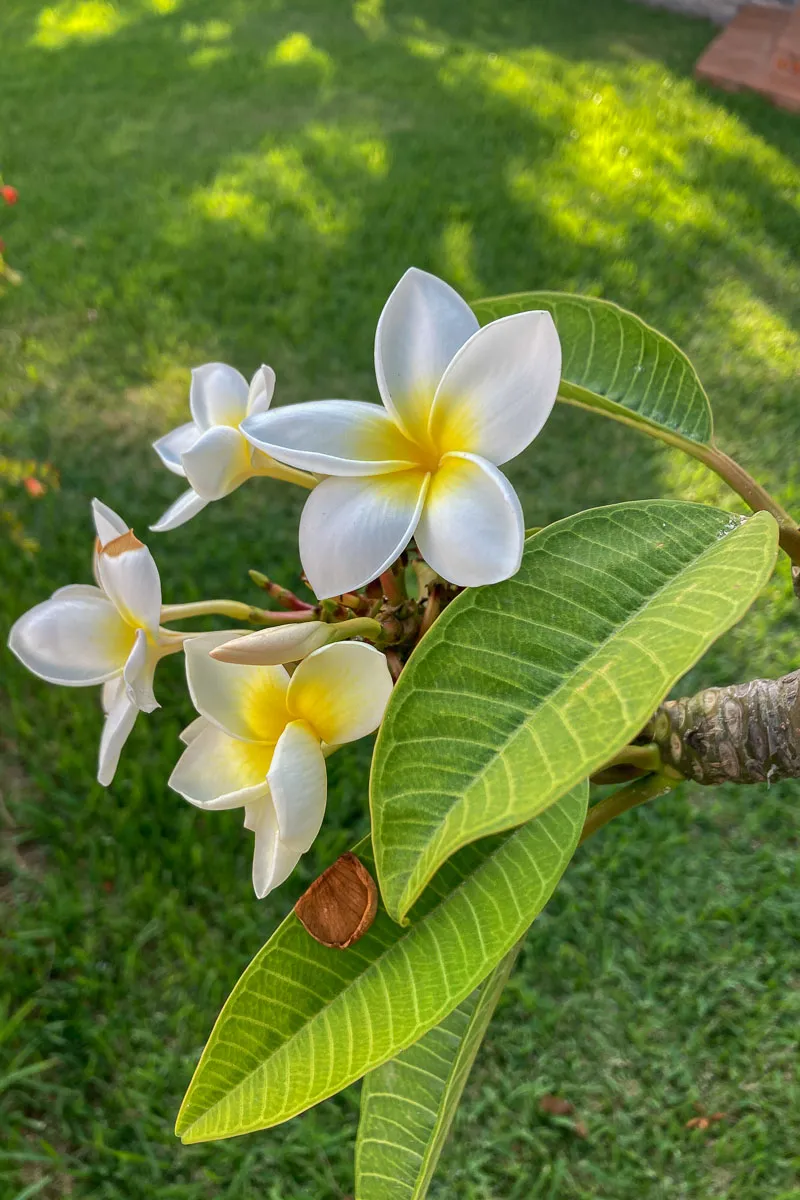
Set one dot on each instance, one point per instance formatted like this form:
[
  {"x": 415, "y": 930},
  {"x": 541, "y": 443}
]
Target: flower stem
[
  {"x": 625, "y": 798},
  {"x": 363, "y": 627},
  {"x": 392, "y": 587},
  {"x": 277, "y": 470},
  {"x": 232, "y": 608},
  {"x": 433, "y": 606},
  {"x": 754, "y": 495},
  {"x": 175, "y": 643},
  {"x": 282, "y": 595}
]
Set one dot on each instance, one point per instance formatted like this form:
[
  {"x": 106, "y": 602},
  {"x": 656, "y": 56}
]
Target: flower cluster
[{"x": 458, "y": 402}]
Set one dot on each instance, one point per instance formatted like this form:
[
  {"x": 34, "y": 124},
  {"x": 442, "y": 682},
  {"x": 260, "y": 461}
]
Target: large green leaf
[
  {"x": 408, "y": 1104},
  {"x": 523, "y": 688},
  {"x": 304, "y": 1021},
  {"x": 615, "y": 363}
]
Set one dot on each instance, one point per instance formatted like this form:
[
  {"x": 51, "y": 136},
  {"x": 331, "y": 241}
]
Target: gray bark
[{"x": 745, "y": 733}]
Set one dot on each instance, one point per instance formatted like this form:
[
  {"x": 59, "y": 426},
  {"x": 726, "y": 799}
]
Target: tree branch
[{"x": 745, "y": 733}]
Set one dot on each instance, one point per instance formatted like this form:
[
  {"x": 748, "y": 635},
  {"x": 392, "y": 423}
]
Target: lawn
[{"x": 246, "y": 182}]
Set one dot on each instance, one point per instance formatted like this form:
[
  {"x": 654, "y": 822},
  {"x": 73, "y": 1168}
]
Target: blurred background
[{"x": 246, "y": 182}]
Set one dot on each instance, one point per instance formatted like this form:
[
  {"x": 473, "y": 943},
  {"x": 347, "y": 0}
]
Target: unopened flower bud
[{"x": 270, "y": 647}]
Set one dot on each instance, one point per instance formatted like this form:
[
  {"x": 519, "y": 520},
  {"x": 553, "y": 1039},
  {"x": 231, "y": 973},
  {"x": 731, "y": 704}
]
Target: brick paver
[
  {"x": 758, "y": 50},
  {"x": 721, "y": 11}
]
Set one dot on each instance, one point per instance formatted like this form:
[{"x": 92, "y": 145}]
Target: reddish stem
[
  {"x": 395, "y": 666},
  {"x": 391, "y": 587}
]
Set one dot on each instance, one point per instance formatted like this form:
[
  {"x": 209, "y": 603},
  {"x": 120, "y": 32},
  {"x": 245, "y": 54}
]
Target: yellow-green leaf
[
  {"x": 613, "y": 362},
  {"x": 408, "y": 1104},
  {"x": 305, "y": 1021},
  {"x": 523, "y": 688}
]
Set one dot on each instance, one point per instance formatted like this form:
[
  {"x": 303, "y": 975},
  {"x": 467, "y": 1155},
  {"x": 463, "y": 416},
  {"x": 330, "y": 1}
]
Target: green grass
[{"x": 247, "y": 182}]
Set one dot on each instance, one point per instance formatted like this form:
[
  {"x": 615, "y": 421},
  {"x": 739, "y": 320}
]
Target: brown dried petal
[{"x": 340, "y": 905}]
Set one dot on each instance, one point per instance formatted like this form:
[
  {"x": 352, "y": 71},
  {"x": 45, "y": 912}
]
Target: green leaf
[
  {"x": 523, "y": 688},
  {"x": 408, "y": 1104},
  {"x": 615, "y": 363},
  {"x": 305, "y": 1021}
]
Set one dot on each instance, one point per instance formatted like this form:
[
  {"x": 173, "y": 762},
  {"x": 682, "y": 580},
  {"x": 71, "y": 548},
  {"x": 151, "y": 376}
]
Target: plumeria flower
[
  {"x": 209, "y": 451},
  {"x": 108, "y": 634},
  {"x": 261, "y": 739},
  {"x": 459, "y": 401}
]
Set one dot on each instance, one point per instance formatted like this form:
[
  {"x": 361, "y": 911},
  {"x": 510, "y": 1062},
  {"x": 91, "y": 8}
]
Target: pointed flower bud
[{"x": 272, "y": 647}]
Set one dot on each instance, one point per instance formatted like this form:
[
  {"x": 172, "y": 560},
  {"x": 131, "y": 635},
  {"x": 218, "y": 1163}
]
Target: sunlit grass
[
  {"x": 246, "y": 183},
  {"x": 85, "y": 20}
]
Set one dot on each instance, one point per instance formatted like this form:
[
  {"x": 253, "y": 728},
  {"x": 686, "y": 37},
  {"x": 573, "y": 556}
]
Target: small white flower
[
  {"x": 260, "y": 740},
  {"x": 459, "y": 401},
  {"x": 109, "y": 634},
  {"x": 209, "y": 451}
]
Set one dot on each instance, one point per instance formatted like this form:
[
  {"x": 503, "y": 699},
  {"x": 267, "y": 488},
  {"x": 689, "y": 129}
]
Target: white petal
[
  {"x": 107, "y": 523},
  {"x": 471, "y": 530},
  {"x": 218, "y": 462},
  {"x": 298, "y": 784},
  {"x": 262, "y": 387},
  {"x": 332, "y": 437},
  {"x": 129, "y": 577},
  {"x": 172, "y": 445},
  {"x": 423, "y": 323},
  {"x": 271, "y": 647},
  {"x": 341, "y": 691},
  {"x": 139, "y": 671},
  {"x": 75, "y": 638},
  {"x": 246, "y": 702},
  {"x": 77, "y": 590},
  {"x": 218, "y": 396},
  {"x": 216, "y": 771},
  {"x": 273, "y": 862},
  {"x": 111, "y": 691},
  {"x": 119, "y": 723},
  {"x": 499, "y": 389},
  {"x": 188, "y": 505},
  {"x": 191, "y": 731},
  {"x": 353, "y": 529}
]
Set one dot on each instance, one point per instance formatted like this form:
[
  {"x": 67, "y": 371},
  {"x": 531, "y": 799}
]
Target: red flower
[
  {"x": 9, "y": 194},
  {"x": 34, "y": 487}
]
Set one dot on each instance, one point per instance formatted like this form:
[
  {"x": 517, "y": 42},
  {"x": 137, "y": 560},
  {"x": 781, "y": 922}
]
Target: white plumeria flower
[
  {"x": 209, "y": 451},
  {"x": 459, "y": 401},
  {"x": 261, "y": 738},
  {"x": 109, "y": 634}
]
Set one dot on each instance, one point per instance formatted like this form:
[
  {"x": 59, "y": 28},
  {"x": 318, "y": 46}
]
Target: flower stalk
[
  {"x": 281, "y": 595},
  {"x": 236, "y": 609}
]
